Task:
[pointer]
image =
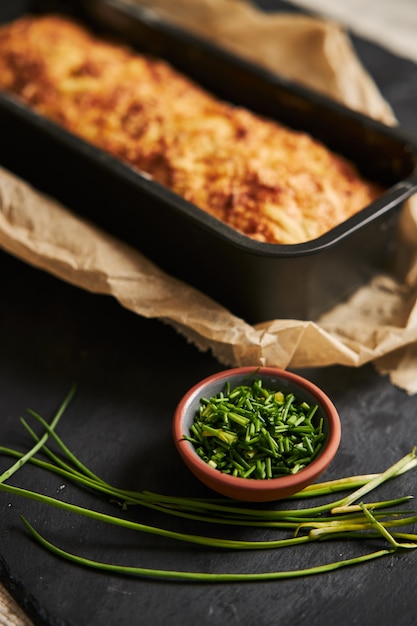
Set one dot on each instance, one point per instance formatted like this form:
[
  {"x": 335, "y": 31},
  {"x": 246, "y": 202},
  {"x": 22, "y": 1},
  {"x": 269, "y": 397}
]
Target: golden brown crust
[{"x": 267, "y": 181}]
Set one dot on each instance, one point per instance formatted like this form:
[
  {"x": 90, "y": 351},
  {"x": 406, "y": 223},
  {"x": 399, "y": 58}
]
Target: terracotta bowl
[{"x": 253, "y": 489}]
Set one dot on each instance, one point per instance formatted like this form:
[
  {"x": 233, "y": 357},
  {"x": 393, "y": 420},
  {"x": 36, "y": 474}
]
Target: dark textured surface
[{"x": 130, "y": 373}]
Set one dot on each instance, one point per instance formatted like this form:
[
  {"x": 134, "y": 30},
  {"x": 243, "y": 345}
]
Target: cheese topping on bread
[{"x": 267, "y": 181}]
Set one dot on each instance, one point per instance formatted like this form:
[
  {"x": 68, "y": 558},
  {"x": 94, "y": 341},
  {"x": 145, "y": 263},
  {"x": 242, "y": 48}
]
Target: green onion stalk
[{"x": 346, "y": 518}]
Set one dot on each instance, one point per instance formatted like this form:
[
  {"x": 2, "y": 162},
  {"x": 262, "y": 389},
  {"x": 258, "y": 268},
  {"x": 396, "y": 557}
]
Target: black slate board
[{"x": 130, "y": 374}]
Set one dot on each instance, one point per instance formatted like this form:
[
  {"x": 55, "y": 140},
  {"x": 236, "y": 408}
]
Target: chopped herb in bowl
[
  {"x": 256, "y": 431},
  {"x": 256, "y": 434}
]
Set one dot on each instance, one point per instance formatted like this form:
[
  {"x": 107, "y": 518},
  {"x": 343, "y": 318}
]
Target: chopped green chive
[{"x": 269, "y": 432}]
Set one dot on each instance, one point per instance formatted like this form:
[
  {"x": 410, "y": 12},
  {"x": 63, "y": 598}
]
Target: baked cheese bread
[{"x": 265, "y": 180}]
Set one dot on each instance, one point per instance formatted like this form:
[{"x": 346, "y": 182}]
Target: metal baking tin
[{"x": 256, "y": 281}]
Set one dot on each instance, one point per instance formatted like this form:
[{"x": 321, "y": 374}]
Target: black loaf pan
[{"x": 256, "y": 281}]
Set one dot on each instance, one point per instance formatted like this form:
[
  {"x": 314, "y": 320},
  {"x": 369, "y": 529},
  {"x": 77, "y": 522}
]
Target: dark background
[{"x": 130, "y": 373}]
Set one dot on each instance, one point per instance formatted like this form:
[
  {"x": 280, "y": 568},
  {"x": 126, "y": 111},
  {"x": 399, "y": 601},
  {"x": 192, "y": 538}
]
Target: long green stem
[
  {"x": 25, "y": 458},
  {"x": 81, "y": 469},
  {"x": 204, "y": 576},
  {"x": 153, "y": 530},
  {"x": 384, "y": 532},
  {"x": 407, "y": 462}
]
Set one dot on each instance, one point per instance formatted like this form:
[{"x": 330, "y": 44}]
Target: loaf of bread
[{"x": 267, "y": 181}]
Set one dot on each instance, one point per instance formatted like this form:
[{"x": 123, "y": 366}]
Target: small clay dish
[{"x": 255, "y": 489}]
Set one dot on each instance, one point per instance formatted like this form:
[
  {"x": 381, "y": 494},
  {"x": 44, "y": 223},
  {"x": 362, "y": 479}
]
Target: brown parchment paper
[{"x": 378, "y": 324}]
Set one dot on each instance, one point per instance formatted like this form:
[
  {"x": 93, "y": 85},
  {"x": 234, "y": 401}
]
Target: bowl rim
[{"x": 214, "y": 476}]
